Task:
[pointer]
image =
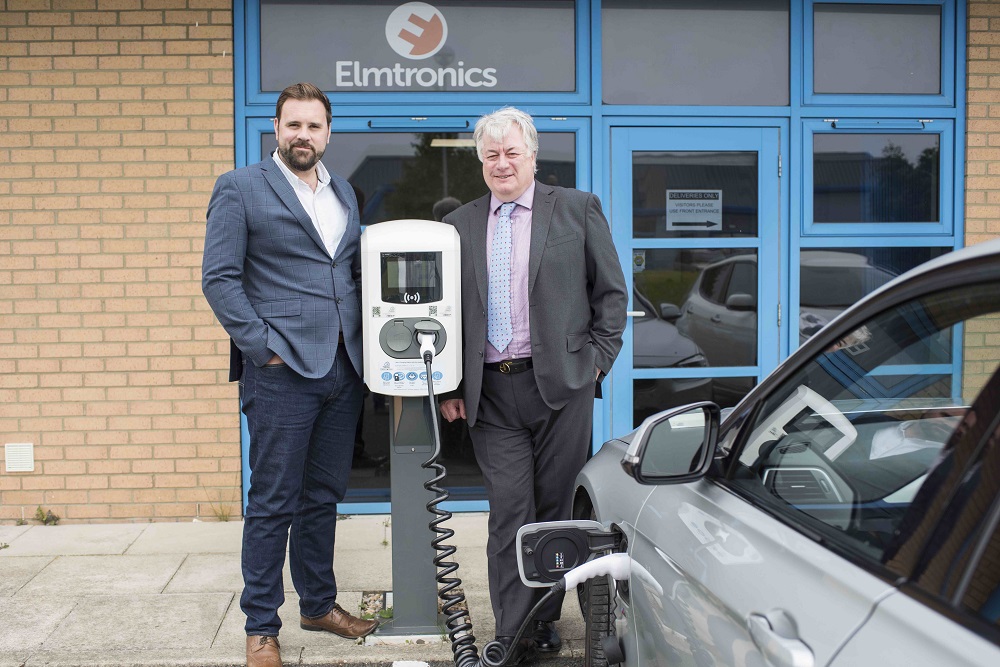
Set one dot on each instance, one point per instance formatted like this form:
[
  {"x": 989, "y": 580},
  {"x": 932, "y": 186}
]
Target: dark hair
[
  {"x": 443, "y": 207},
  {"x": 303, "y": 91}
]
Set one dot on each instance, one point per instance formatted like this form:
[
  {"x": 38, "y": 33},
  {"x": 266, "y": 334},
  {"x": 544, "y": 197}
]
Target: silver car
[{"x": 846, "y": 513}]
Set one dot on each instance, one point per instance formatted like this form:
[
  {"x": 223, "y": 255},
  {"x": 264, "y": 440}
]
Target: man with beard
[{"x": 282, "y": 271}]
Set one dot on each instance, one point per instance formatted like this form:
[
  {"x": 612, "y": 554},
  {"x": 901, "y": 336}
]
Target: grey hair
[{"x": 496, "y": 125}]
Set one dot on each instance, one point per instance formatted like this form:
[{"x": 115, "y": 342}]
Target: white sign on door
[{"x": 694, "y": 210}]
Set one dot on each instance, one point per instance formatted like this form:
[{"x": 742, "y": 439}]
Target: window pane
[
  {"x": 688, "y": 194},
  {"x": 700, "y": 308},
  {"x": 830, "y": 281},
  {"x": 402, "y": 175},
  {"x": 848, "y": 441},
  {"x": 684, "y": 52},
  {"x": 352, "y": 47},
  {"x": 876, "y": 177},
  {"x": 877, "y": 49}
]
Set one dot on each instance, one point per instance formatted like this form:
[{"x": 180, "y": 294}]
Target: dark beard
[{"x": 293, "y": 160}]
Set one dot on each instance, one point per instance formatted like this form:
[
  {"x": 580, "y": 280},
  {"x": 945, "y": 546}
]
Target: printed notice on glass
[{"x": 694, "y": 210}]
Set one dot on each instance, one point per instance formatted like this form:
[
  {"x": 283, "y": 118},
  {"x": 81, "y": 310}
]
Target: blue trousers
[{"x": 301, "y": 443}]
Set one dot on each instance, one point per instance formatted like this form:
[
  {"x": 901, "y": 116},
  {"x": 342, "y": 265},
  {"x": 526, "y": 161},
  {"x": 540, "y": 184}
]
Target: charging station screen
[{"x": 411, "y": 277}]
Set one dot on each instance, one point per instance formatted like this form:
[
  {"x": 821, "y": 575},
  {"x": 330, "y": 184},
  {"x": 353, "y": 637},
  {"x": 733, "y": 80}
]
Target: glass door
[{"x": 696, "y": 220}]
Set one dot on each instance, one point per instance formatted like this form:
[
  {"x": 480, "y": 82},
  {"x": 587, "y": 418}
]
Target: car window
[
  {"x": 847, "y": 442},
  {"x": 743, "y": 281},
  {"x": 713, "y": 283},
  {"x": 982, "y": 594},
  {"x": 953, "y": 548}
]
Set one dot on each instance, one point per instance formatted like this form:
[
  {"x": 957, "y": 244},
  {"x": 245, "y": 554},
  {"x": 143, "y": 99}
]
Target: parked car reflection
[
  {"x": 656, "y": 343},
  {"x": 720, "y": 311}
]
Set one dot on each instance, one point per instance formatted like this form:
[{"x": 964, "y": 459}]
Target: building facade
[{"x": 750, "y": 157}]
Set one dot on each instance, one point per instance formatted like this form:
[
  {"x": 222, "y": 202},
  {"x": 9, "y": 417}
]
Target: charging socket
[{"x": 546, "y": 551}]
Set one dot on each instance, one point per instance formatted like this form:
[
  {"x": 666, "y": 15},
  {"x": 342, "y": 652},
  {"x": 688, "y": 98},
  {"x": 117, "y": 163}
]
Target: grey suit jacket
[
  {"x": 271, "y": 281},
  {"x": 576, "y": 294}
]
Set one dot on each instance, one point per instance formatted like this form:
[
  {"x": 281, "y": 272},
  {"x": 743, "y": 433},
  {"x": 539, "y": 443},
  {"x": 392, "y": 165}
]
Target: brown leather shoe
[
  {"x": 263, "y": 651},
  {"x": 340, "y": 623}
]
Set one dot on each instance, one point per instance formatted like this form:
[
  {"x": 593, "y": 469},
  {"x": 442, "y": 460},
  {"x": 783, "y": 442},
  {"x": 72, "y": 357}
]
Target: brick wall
[
  {"x": 982, "y": 173},
  {"x": 116, "y": 116}
]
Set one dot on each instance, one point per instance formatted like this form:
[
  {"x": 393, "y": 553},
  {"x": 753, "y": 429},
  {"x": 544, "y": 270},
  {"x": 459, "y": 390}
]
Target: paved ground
[{"x": 167, "y": 594}]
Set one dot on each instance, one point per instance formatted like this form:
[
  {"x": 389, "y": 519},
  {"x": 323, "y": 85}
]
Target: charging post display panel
[{"x": 411, "y": 277}]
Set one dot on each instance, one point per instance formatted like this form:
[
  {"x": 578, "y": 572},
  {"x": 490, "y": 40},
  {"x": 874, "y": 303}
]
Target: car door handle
[
  {"x": 635, "y": 313},
  {"x": 716, "y": 318},
  {"x": 777, "y": 637}
]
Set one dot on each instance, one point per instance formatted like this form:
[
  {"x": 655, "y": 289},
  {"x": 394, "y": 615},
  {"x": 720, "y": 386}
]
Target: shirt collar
[
  {"x": 321, "y": 172},
  {"x": 526, "y": 199}
]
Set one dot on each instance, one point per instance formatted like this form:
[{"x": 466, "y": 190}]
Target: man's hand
[
  {"x": 452, "y": 409},
  {"x": 275, "y": 360}
]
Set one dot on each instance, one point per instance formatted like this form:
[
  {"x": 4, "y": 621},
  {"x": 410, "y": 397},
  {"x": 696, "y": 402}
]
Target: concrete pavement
[{"x": 167, "y": 594}]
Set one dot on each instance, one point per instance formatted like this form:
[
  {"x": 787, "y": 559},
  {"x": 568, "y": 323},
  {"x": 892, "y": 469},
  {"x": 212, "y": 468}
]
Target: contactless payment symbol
[{"x": 416, "y": 30}]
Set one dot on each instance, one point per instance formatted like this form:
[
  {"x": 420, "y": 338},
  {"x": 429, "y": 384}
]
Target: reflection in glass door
[{"x": 701, "y": 232}]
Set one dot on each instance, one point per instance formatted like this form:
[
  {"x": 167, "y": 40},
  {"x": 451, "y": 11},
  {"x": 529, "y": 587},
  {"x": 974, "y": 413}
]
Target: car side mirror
[
  {"x": 674, "y": 446},
  {"x": 669, "y": 312},
  {"x": 741, "y": 302}
]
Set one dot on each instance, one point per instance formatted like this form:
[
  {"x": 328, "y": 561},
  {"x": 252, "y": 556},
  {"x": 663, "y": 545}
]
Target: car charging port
[{"x": 549, "y": 550}]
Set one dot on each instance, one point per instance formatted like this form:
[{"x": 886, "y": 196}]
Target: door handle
[
  {"x": 635, "y": 313},
  {"x": 777, "y": 637},
  {"x": 716, "y": 318}
]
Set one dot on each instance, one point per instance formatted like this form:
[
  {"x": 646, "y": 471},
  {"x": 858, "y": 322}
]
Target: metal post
[{"x": 414, "y": 589}]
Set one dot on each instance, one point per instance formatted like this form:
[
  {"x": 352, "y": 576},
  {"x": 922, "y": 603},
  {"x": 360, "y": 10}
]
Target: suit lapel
[
  {"x": 480, "y": 253},
  {"x": 541, "y": 217},
  {"x": 280, "y": 185}
]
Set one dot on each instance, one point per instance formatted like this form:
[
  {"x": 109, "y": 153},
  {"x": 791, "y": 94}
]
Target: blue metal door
[{"x": 697, "y": 219}]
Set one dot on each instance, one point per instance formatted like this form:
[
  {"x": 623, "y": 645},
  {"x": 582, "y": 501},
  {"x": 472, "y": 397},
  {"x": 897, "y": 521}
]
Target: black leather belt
[{"x": 510, "y": 366}]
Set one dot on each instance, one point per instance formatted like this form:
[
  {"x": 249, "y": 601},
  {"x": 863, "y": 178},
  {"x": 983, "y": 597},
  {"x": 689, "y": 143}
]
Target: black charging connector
[{"x": 551, "y": 549}]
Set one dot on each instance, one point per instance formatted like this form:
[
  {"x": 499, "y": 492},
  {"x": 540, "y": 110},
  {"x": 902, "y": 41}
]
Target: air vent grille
[{"x": 801, "y": 486}]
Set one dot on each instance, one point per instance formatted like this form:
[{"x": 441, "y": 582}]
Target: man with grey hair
[{"x": 543, "y": 311}]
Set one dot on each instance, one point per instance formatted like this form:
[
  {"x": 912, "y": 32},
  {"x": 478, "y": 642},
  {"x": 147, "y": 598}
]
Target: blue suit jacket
[{"x": 271, "y": 281}]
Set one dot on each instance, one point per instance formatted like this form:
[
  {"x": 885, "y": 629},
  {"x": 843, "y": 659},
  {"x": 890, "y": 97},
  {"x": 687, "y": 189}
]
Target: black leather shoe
[
  {"x": 525, "y": 650},
  {"x": 546, "y": 637}
]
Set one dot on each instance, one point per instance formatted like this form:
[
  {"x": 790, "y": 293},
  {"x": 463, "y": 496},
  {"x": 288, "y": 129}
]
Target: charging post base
[{"x": 414, "y": 588}]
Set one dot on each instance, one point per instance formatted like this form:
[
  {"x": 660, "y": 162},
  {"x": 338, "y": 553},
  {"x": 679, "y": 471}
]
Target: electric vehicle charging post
[{"x": 410, "y": 286}]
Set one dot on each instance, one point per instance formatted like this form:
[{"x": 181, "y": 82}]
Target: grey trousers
[{"x": 530, "y": 456}]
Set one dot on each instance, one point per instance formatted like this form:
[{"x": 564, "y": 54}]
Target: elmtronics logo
[{"x": 416, "y": 31}]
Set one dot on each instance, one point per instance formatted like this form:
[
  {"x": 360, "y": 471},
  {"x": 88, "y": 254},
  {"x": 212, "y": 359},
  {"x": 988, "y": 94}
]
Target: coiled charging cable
[{"x": 463, "y": 642}]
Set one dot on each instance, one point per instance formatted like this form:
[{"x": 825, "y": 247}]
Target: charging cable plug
[
  {"x": 426, "y": 341},
  {"x": 617, "y": 565}
]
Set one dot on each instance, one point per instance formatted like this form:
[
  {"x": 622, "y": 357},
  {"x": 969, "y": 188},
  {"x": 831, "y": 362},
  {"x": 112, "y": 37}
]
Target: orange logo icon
[{"x": 416, "y": 30}]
